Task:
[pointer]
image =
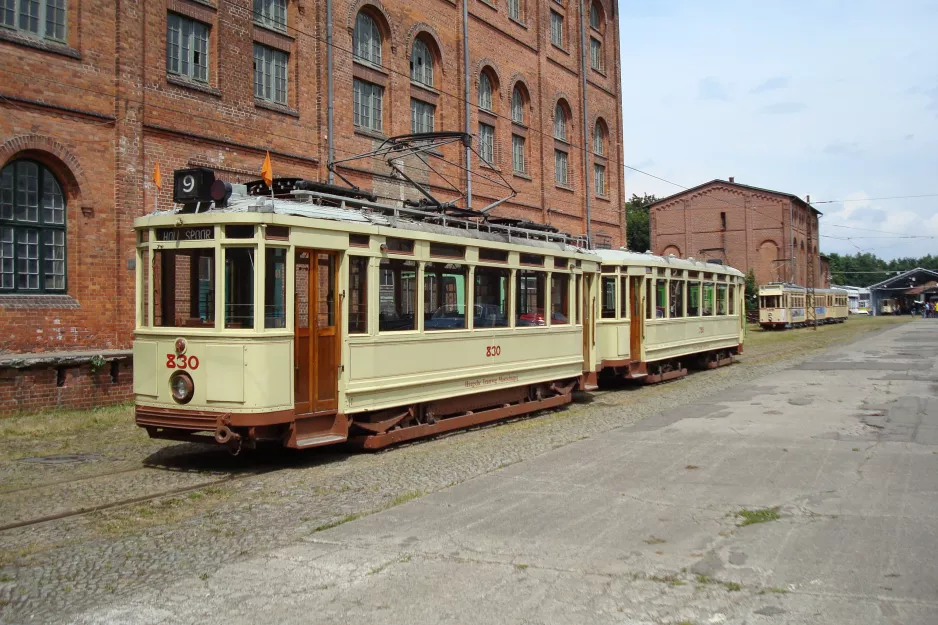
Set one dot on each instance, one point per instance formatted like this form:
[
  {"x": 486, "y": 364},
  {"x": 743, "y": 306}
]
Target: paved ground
[{"x": 641, "y": 524}]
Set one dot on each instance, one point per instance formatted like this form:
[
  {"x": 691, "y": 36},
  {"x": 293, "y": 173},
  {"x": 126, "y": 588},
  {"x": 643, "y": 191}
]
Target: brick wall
[
  {"x": 72, "y": 387},
  {"x": 100, "y": 111},
  {"x": 746, "y": 228}
]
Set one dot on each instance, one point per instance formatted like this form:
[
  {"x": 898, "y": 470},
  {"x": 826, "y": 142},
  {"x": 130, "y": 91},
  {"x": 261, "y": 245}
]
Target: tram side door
[
  {"x": 635, "y": 313},
  {"x": 316, "y": 339}
]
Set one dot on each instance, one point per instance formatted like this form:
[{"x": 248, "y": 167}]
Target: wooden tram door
[
  {"x": 317, "y": 332},
  {"x": 636, "y": 310}
]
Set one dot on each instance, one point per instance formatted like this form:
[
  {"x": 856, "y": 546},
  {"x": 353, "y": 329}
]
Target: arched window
[
  {"x": 421, "y": 63},
  {"x": 599, "y": 138},
  {"x": 595, "y": 18},
  {"x": 366, "y": 40},
  {"x": 560, "y": 122},
  {"x": 32, "y": 229},
  {"x": 485, "y": 92},
  {"x": 517, "y": 105}
]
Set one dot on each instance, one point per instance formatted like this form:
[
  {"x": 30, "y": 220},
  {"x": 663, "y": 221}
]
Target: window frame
[
  {"x": 376, "y": 94},
  {"x": 514, "y": 10},
  {"x": 423, "y": 76},
  {"x": 375, "y": 51},
  {"x": 560, "y": 122},
  {"x": 41, "y": 18},
  {"x": 41, "y": 226},
  {"x": 518, "y": 156},
  {"x": 599, "y": 179},
  {"x": 422, "y": 116},
  {"x": 556, "y": 29},
  {"x": 267, "y": 71},
  {"x": 563, "y": 180},
  {"x": 264, "y": 14},
  {"x": 517, "y": 105},
  {"x": 190, "y": 40},
  {"x": 485, "y": 92},
  {"x": 487, "y": 144},
  {"x": 596, "y": 54}
]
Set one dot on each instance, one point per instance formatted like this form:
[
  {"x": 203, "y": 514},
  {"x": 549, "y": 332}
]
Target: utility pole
[{"x": 810, "y": 278}]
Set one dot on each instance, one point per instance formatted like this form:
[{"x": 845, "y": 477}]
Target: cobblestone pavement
[{"x": 56, "y": 569}]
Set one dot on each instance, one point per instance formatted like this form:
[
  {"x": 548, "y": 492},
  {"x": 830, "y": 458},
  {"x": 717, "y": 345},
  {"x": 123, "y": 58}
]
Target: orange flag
[
  {"x": 157, "y": 178},
  {"x": 267, "y": 172}
]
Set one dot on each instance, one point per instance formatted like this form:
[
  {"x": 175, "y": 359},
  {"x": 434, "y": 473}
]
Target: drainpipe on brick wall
[
  {"x": 330, "y": 97},
  {"x": 465, "y": 62},
  {"x": 585, "y": 107},
  {"x": 791, "y": 242}
]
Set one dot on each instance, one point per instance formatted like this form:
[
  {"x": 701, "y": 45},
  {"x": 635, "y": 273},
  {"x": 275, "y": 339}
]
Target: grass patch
[
  {"x": 124, "y": 520},
  {"x": 751, "y": 517},
  {"x": 703, "y": 579},
  {"x": 521, "y": 567},
  {"x": 732, "y": 586},
  {"x": 405, "y": 497},
  {"x": 776, "y": 590},
  {"x": 671, "y": 580},
  {"x": 347, "y": 518},
  {"x": 654, "y": 541}
]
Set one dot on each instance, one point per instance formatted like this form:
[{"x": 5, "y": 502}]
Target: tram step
[{"x": 320, "y": 440}]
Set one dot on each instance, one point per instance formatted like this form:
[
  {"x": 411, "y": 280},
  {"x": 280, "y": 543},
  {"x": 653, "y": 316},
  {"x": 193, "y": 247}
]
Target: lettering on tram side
[
  {"x": 182, "y": 362},
  {"x": 501, "y": 379},
  {"x": 202, "y": 233}
]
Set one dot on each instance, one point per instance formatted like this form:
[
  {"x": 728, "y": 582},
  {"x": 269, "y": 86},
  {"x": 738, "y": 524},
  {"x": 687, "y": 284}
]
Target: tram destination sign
[{"x": 200, "y": 233}]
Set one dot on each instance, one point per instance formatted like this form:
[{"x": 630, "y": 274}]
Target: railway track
[{"x": 76, "y": 512}]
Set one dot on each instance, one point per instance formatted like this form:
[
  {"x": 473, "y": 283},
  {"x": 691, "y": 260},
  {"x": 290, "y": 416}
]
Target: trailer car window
[
  {"x": 693, "y": 299},
  {"x": 444, "y": 296},
  {"x": 731, "y": 302},
  {"x": 578, "y": 294},
  {"x": 275, "y": 288},
  {"x": 677, "y": 299},
  {"x": 649, "y": 300},
  {"x": 358, "y": 295},
  {"x": 398, "y": 295},
  {"x": 609, "y": 297},
  {"x": 559, "y": 299},
  {"x": 529, "y": 302},
  {"x": 661, "y": 298},
  {"x": 721, "y": 299},
  {"x": 707, "y": 303},
  {"x": 491, "y": 297},
  {"x": 184, "y": 288}
]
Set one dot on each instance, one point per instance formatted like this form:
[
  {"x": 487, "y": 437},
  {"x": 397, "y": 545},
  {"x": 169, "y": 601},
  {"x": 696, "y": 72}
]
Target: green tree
[
  {"x": 752, "y": 291},
  {"x": 638, "y": 234}
]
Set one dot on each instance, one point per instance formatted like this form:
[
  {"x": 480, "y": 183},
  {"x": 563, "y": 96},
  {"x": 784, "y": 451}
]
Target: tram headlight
[
  {"x": 181, "y": 387},
  {"x": 180, "y": 346}
]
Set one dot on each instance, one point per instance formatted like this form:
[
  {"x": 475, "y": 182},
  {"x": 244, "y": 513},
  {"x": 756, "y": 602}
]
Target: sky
[{"x": 833, "y": 99}]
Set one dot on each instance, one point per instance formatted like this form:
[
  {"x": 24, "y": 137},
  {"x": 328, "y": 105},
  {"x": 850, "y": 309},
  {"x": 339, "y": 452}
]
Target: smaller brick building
[{"x": 771, "y": 232}]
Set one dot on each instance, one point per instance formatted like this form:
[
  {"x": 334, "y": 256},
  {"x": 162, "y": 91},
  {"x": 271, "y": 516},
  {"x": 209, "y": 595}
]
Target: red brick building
[
  {"x": 773, "y": 233},
  {"x": 95, "y": 93}
]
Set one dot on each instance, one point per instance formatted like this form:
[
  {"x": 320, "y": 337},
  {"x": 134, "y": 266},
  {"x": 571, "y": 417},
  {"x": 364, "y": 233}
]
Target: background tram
[
  {"x": 782, "y": 305},
  {"x": 318, "y": 317}
]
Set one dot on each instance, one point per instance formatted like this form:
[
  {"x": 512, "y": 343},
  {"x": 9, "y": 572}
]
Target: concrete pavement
[{"x": 642, "y": 524}]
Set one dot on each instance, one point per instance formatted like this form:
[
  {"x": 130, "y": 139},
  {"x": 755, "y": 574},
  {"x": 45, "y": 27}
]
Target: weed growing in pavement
[
  {"x": 671, "y": 580},
  {"x": 732, "y": 586},
  {"x": 655, "y": 541},
  {"x": 337, "y": 522},
  {"x": 703, "y": 579},
  {"x": 521, "y": 567},
  {"x": 751, "y": 517},
  {"x": 405, "y": 497},
  {"x": 780, "y": 591}
]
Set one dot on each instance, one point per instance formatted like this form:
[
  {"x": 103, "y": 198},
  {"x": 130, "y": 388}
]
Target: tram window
[
  {"x": 624, "y": 298},
  {"x": 446, "y": 250},
  {"x": 277, "y": 233},
  {"x": 721, "y": 299},
  {"x": 707, "y": 302},
  {"x": 397, "y": 298},
  {"x": 275, "y": 288},
  {"x": 444, "y": 296},
  {"x": 400, "y": 246},
  {"x": 358, "y": 295},
  {"x": 493, "y": 256},
  {"x": 559, "y": 299},
  {"x": 693, "y": 299},
  {"x": 239, "y": 231},
  {"x": 531, "y": 259},
  {"x": 529, "y": 298},
  {"x": 239, "y": 287},
  {"x": 325, "y": 291},
  {"x": 490, "y": 302},
  {"x": 661, "y": 298},
  {"x": 561, "y": 263},
  {"x": 649, "y": 300},
  {"x": 359, "y": 240},
  {"x": 578, "y": 294},
  {"x": 608, "y": 298},
  {"x": 608, "y": 268},
  {"x": 676, "y": 301},
  {"x": 731, "y": 300},
  {"x": 184, "y": 288}
]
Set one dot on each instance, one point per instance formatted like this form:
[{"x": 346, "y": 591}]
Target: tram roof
[{"x": 637, "y": 258}]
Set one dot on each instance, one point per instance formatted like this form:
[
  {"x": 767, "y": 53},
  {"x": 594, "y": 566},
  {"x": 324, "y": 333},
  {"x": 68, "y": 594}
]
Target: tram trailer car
[
  {"x": 830, "y": 305},
  {"x": 657, "y": 315},
  {"x": 782, "y": 305},
  {"x": 315, "y": 319}
]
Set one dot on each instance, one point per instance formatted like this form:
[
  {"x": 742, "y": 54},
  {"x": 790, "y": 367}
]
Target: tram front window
[
  {"x": 184, "y": 288},
  {"x": 239, "y": 287}
]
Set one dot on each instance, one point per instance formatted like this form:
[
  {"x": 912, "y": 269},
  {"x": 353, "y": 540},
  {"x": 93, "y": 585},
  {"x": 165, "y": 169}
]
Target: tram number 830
[
  {"x": 493, "y": 350},
  {"x": 182, "y": 362}
]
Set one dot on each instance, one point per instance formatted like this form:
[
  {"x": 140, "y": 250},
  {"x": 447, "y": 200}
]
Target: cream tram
[
  {"x": 659, "y": 314},
  {"x": 831, "y": 305},
  {"x": 782, "y": 305},
  {"x": 322, "y": 316}
]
